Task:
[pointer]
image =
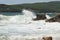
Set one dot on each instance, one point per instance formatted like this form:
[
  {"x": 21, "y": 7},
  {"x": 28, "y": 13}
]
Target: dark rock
[
  {"x": 54, "y": 19},
  {"x": 42, "y": 16},
  {"x": 47, "y": 38},
  {"x": 50, "y": 20}
]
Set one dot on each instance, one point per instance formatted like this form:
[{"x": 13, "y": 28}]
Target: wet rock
[
  {"x": 54, "y": 19},
  {"x": 42, "y": 16},
  {"x": 47, "y": 38},
  {"x": 50, "y": 20}
]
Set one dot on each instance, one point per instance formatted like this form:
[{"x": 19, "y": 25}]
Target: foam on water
[{"x": 22, "y": 27}]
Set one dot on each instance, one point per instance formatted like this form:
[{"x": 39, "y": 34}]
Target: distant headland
[{"x": 53, "y": 6}]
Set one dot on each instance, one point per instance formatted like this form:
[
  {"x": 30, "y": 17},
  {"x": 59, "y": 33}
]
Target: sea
[{"x": 20, "y": 26}]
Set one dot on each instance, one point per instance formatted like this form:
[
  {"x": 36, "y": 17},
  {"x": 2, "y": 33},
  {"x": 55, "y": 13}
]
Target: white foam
[
  {"x": 24, "y": 25},
  {"x": 48, "y": 17},
  {"x": 29, "y": 14}
]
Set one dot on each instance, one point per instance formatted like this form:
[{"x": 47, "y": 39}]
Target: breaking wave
[
  {"x": 27, "y": 17},
  {"x": 22, "y": 27}
]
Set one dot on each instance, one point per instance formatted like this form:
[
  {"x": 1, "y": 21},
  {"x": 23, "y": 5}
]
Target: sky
[{"x": 23, "y": 1}]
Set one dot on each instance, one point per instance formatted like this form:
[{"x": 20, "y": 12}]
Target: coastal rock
[
  {"x": 51, "y": 20},
  {"x": 42, "y": 16},
  {"x": 54, "y": 19},
  {"x": 47, "y": 38}
]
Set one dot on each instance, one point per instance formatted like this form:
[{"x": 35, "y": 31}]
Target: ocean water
[
  {"x": 11, "y": 13},
  {"x": 17, "y": 26}
]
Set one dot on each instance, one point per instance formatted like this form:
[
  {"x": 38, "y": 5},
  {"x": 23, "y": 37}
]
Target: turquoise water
[
  {"x": 51, "y": 14},
  {"x": 11, "y": 13},
  {"x": 19, "y": 13}
]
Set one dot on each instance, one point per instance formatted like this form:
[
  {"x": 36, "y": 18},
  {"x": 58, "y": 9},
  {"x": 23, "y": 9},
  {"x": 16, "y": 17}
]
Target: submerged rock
[
  {"x": 54, "y": 19},
  {"x": 42, "y": 16}
]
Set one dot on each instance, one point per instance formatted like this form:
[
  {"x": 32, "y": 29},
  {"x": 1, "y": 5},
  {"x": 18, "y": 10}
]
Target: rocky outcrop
[
  {"x": 54, "y": 19},
  {"x": 42, "y": 16},
  {"x": 47, "y": 38}
]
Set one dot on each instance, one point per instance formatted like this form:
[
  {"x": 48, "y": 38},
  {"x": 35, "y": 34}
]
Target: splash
[
  {"x": 29, "y": 14},
  {"x": 48, "y": 17}
]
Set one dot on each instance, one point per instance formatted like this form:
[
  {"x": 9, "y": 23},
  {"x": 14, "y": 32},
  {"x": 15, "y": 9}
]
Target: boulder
[
  {"x": 47, "y": 38},
  {"x": 51, "y": 20},
  {"x": 54, "y": 19},
  {"x": 42, "y": 16}
]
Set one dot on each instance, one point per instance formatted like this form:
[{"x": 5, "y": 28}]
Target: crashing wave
[
  {"x": 29, "y": 13},
  {"x": 27, "y": 17},
  {"x": 48, "y": 17}
]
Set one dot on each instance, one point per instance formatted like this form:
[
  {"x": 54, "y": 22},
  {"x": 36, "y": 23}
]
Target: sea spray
[
  {"x": 48, "y": 17},
  {"x": 29, "y": 15}
]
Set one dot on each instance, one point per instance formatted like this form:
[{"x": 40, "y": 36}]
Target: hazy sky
[{"x": 22, "y": 1}]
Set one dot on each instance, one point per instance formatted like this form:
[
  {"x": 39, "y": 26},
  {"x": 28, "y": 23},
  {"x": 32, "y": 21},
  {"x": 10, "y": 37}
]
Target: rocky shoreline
[{"x": 42, "y": 16}]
